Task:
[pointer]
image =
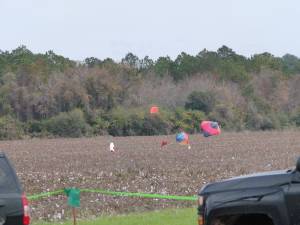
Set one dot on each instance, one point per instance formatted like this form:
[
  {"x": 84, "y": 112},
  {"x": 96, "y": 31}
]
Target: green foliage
[
  {"x": 129, "y": 123},
  {"x": 68, "y": 124},
  {"x": 189, "y": 120},
  {"x": 295, "y": 118},
  {"x": 225, "y": 52},
  {"x": 119, "y": 124},
  {"x": 248, "y": 91},
  {"x": 48, "y": 94},
  {"x": 124, "y": 122},
  {"x": 97, "y": 120},
  {"x": 261, "y": 121},
  {"x": 262, "y": 105},
  {"x": 92, "y": 62},
  {"x": 208, "y": 61},
  {"x": 146, "y": 63},
  {"x": 131, "y": 60},
  {"x": 156, "y": 125},
  {"x": 266, "y": 60},
  {"x": 35, "y": 127},
  {"x": 228, "y": 116},
  {"x": 230, "y": 70},
  {"x": 203, "y": 101},
  {"x": 163, "y": 66},
  {"x": 184, "y": 65},
  {"x": 283, "y": 120},
  {"x": 10, "y": 128},
  {"x": 291, "y": 64}
]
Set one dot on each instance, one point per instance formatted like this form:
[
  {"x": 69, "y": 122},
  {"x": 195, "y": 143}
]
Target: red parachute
[
  {"x": 210, "y": 128},
  {"x": 154, "y": 110},
  {"x": 163, "y": 143}
]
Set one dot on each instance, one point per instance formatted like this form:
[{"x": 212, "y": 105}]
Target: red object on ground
[
  {"x": 163, "y": 143},
  {"x": 154, "y": 110},
  {"x": 210, "y": 128}
]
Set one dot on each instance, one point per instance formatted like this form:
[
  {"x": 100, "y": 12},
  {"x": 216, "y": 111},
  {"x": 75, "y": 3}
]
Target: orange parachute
[{"x": 154, "y": 110}]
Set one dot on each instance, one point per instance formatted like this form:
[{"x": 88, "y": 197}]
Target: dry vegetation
[
  {"x": 48, "y": 95},
  {"x": 139, "y": 165}
]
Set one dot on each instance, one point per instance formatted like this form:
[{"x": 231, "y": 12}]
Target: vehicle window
[
  {"x": 7, "y": 179},
  {"x": 214, "y": 125}
]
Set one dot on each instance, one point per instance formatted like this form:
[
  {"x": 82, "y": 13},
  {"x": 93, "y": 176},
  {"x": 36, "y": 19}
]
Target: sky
[{"x": 83, "y": 28}]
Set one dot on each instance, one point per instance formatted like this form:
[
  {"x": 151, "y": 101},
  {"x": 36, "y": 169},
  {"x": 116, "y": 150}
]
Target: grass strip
[{"x": 163, "y": 217}]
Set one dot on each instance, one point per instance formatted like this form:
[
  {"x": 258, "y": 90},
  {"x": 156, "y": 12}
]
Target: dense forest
[{"x": 48, "y": 95}]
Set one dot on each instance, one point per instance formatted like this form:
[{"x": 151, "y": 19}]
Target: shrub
[
  {"x": 258, "y": 121},
  {"x": 123, "y": 122},
  {"x": 203, "y": 101},
  {"x": 187, "y": 120},
  {"x": 248, "y": 91},
  {"x": 227, "y": 116},
  {"x": 97, "y": 119},
  {"x": 10, "y": 128},
  {"x": 156, "y": 125},
  {"x": 68, "y": 124},
  {"x": 295, "y": 119},
  {"x": 35, "y": 126},
  {"x": 267, "y": 123},
  {"x": 118, "y": 122},
  {"x": 126, "y": 122},
  {"x": 283, "y": 120},
  {"x": 137, "y": 122}
]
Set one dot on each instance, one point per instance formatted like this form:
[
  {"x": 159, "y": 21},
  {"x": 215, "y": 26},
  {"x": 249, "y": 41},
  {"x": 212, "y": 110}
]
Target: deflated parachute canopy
[
  {"x": 154, "y": 110},
  {"x": 182, "y": 138},
  {"x": 210, "y": 128},
  {"x": 163, "y": 143}
]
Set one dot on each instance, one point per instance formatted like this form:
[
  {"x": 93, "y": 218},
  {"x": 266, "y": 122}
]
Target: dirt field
[{"x": 139, "y": 165}]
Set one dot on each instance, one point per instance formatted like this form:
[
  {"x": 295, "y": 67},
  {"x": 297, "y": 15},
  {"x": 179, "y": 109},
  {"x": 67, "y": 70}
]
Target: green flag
[{"x": 73, "y": 196}]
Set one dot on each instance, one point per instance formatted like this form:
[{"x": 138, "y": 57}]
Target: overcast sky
[{"x": 82, "y": 28}]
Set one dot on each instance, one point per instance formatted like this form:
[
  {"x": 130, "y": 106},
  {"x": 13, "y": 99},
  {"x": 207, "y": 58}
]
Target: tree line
[{"x": 50, "y": 95}]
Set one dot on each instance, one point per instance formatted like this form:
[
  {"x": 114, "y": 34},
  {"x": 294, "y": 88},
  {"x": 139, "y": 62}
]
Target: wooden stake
[{"x": 74, "y": 215}]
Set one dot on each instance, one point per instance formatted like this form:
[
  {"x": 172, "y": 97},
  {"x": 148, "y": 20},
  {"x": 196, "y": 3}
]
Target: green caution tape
[
  {"x": 117, "y": 193},
  {"x": 142, "y": 195}
]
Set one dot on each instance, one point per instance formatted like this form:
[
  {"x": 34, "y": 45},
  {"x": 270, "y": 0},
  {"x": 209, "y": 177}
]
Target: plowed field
[{"x": 140, "y": 165}]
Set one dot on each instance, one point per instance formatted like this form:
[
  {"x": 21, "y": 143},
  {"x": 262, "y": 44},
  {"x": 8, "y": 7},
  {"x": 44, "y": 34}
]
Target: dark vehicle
[
  {"x": 14, "y": 209},
  {"x": 271, "y": 198}
]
